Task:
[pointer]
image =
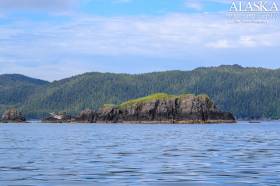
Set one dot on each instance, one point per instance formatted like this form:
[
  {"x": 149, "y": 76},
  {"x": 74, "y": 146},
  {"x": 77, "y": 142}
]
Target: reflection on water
[{"x": 48, "y": 154}]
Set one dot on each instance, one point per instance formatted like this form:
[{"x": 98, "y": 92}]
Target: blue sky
[{"x": 54, "y": 39}]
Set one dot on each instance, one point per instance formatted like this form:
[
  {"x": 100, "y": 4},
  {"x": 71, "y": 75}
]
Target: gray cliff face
[
  {"x": 184, "y": 109},
  {"x": 12, "y": 115},
  {"x": 109, "y": 115},
  {"x": 87, "y": 116}
]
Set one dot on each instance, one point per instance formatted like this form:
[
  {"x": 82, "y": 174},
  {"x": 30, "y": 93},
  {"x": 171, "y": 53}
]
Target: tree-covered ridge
[
  {"x": 15, "y": 89},
  {"x": 246, "y": 92}
]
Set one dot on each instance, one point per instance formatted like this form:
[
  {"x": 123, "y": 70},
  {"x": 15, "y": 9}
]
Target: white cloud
[
  {"x": 137, "y": 35},
  {"x": 122, "y": 1},
  {"x": 248, "y": 41},
  {"x": 219, "y": 44},
  {"x": 82, "y": 37},
  {"x": 37, "y": 4},
  {"x": 216, "y": 1},
  {"x": 171, "y": 34},
  {"x": 196, "y": 5}
]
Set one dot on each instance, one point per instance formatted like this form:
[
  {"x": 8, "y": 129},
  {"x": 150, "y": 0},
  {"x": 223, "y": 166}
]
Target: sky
[{"x": 55, "y": 39}]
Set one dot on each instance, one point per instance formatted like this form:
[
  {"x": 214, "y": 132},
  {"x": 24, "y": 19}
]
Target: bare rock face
[
  {"x": 182, "y": 109},
  {"x": 157, "y": 108},
  {"x": 165, "y": 109},
  {"x": 199, "y": 108},
  {"x": 87, "y": 116},
  {"x": 109, "y": 115},
  {"x": 14, "y": 116}
]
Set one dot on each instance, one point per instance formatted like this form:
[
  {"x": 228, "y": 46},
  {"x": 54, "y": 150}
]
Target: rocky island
[
  {"x": 12, "y": 116},
  {"x": 156, "y": 108}
]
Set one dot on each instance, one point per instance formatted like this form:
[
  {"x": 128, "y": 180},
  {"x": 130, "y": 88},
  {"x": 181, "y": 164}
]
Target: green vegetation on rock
[
  {"x": 152, "y": 97},
  {"x": 156, "y": 97}
]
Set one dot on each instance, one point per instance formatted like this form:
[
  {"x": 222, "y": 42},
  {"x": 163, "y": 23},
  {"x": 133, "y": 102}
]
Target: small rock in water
[{"x": 13, "y": 115}]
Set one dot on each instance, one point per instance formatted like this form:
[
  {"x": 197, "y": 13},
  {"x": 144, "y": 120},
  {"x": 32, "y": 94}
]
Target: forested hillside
[
  {"x": 247, "y": 92},
  {"x": 15, "y": 89}
]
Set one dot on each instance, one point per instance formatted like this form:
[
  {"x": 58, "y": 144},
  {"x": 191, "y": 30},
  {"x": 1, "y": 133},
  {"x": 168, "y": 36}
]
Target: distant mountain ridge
[
  {"x": 246, "y": 92},
  {"x": 15, "y": 89}
]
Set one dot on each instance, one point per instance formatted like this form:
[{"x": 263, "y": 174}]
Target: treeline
[{"x": 247, "y": 92}]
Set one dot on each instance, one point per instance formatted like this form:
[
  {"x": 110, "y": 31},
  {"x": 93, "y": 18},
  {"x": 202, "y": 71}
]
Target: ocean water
[{"x": 87, "y": 154}]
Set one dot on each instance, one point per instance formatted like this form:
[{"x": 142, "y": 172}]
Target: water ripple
[{"x": 42, "y": 154}]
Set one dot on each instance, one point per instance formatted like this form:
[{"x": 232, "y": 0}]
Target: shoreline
[
  {"x": 142, "y": 122},
  {"x": 128, "y": 122}
]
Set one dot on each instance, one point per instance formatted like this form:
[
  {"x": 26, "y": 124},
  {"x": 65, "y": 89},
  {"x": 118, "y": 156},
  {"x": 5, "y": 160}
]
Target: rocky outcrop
[
  {"x": 160, "y": 108},
  {"x": 12, "y": 116},
  {"x": 58, "y": 117},
  {"x": 87, "y": 116}
]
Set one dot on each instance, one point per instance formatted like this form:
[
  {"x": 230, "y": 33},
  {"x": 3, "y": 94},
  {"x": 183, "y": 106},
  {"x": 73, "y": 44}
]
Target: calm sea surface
[{"x": 78, "y": 154}]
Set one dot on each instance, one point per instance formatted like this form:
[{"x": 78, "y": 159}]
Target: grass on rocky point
[{"x": 150, "y": 98}]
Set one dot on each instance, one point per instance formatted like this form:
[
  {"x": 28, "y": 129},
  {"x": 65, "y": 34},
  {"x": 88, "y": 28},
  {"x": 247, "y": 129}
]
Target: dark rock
[
  {"x": 109, "y": 115},
  {"x": 161, "y": 109},
  {"x": 183, "y": 109},
  {"x": 13, "y": 116},
  {"x": 87, "y": 116}
]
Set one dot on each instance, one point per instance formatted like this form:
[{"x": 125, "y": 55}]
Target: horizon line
[{"x": 142, "y": 73}]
